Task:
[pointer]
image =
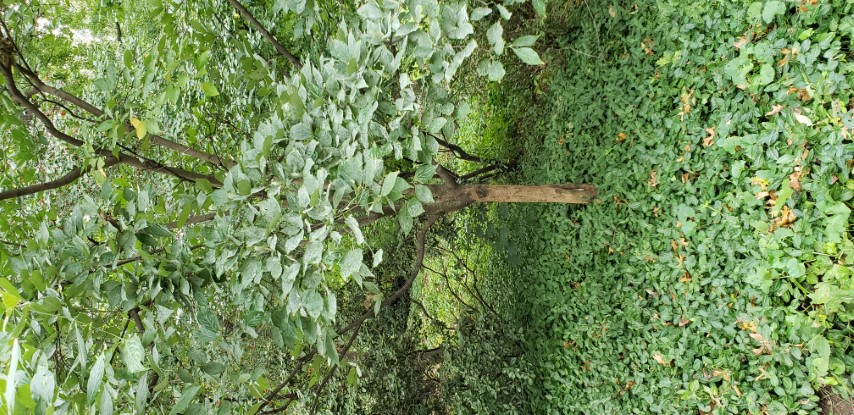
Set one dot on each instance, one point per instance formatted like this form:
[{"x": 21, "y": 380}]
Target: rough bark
[{"x": 450, "y": 198}]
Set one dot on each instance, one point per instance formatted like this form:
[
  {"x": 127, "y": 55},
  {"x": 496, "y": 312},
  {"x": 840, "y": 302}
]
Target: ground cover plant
[
  {"x": 713, "y": 272},
  {"x": 185, "y": 187}
]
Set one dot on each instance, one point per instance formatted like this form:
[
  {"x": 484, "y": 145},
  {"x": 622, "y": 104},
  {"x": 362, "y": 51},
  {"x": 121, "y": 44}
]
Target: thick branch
[
  {"x": 97, "y": 112},
  {"x": 137, "y": 161},
  {"x": 67, "y": 179},
  {"x": 265, "y": 33}
]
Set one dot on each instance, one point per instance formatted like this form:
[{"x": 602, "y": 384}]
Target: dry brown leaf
[
  {"x": 683, "y": 321},
  {"x": 660, "y": 359},
  {"x": 611, "y": 11},
  {"x": 710, "y": 139},
  {"x": 787, "y": 217},
  {"x": 775, "y": 109},
  {"x": 740, "y": 42},
  {"x": 764, "y": 345},
  {"x": 647, "y": 45},
  {"x": 794, "y": 182},
  {"x": 685, "y": 277},
  {"x": 621, "y": 137},
  {"x": 653, "y": 178}
]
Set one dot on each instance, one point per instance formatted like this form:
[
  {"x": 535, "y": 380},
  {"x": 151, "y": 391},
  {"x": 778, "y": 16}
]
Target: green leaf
[
  {"x": 244, "y": 187},
  {"x": 423, "y": 194},
  {"x": 479, "y": 13},
  {"x": 495, "y": 71},
  {"x": 96, "y": 379},
  {"x": 539, "y": 7},
  {"x": 388, "y": 183},
  {"x": 425, "y": 173},
  {"x": 127, "y": 59},
  {"x": 43, "y": 383},
  {"x": 525, "y": 41},
  {"x": 186, "y": 397},
  {"x": 209, "y": 89},
  {"x": 141, "y": 127},
  {"x": 766, "y": 74},
  {"x": 495, "y": 37},
  {"x": 352, "y": 263},
  {"x": 208, "y": 320},
  {"x": 528, "y": 56},
  {"x": 133, "y": 354},
  {"x": 772, "y": 8},
  {"x": 213, "y": 368},
  {"x": 312, "y": 302},
  {"x": 12, "y": 375}
]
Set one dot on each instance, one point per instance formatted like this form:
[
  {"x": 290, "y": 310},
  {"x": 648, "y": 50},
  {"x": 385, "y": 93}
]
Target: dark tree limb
[
  {"x": 65, "y": 180},
  {"x": 456, "y": 150},
  {"x": 109, "y": 158},
  {"x": 265, "y": 33},
  {"x": 155, "y": 139}
]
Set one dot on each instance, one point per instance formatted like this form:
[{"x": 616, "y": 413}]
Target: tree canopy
[{"x": 185, "y": 185}]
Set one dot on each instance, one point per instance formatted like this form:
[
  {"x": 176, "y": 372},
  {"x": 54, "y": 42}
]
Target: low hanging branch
[
  {"x": 265, "y": 33},
  {"x": 6, "y": 65},
  {"x": 155, "y": 139},
  {"x": 66, "y": 179}
]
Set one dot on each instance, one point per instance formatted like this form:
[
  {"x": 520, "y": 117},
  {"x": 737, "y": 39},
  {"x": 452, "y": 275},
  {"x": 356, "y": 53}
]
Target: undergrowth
[{"x": 712, "y": 273}]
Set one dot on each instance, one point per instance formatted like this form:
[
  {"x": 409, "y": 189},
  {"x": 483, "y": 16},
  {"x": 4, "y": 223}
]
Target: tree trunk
[{"x": 455, "y": 197}]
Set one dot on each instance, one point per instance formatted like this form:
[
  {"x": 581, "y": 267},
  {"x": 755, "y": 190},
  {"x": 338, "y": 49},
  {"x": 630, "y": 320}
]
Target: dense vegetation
[{"x": 711, "y": 273}]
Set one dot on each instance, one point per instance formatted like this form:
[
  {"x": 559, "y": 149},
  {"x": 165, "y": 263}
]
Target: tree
[{"x": 192, "y": 190}]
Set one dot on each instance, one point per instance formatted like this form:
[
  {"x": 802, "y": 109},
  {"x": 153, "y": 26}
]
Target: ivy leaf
[
  {"x": 772, "y": 8},
  {"x": 528, "y": 56},
  {"x": 766, "y": 74}
]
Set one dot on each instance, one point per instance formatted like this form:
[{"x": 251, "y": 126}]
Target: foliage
[
  {"x": 713, "y": 273},
  {"x": 212, "y": 289}
]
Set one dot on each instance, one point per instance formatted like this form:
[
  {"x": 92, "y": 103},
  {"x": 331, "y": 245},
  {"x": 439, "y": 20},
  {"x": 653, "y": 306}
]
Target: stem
[{"x": 266, "y": 34}]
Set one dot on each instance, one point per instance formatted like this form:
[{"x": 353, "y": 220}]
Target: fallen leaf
[
  {"x": 794, "y": 182},
  {"x": 611, "y": 11},
  {"x": 653, "y": 178},
  {"x": 764, "y": 345},
  {"x": 647, "y": 45},
  {"x": 803, "y": 119},
  {"x": 660, "y": 360},
  {"x": 787, "y": 217},
  {"x": 775, "y": 109},
  {"x": 683, "y": 321},
  {"x": 621, "y": 137},
  {"x": 685, "y": 277},
  {"x": 740, "y": 42},
  {"x": 710, "y": 139}
]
